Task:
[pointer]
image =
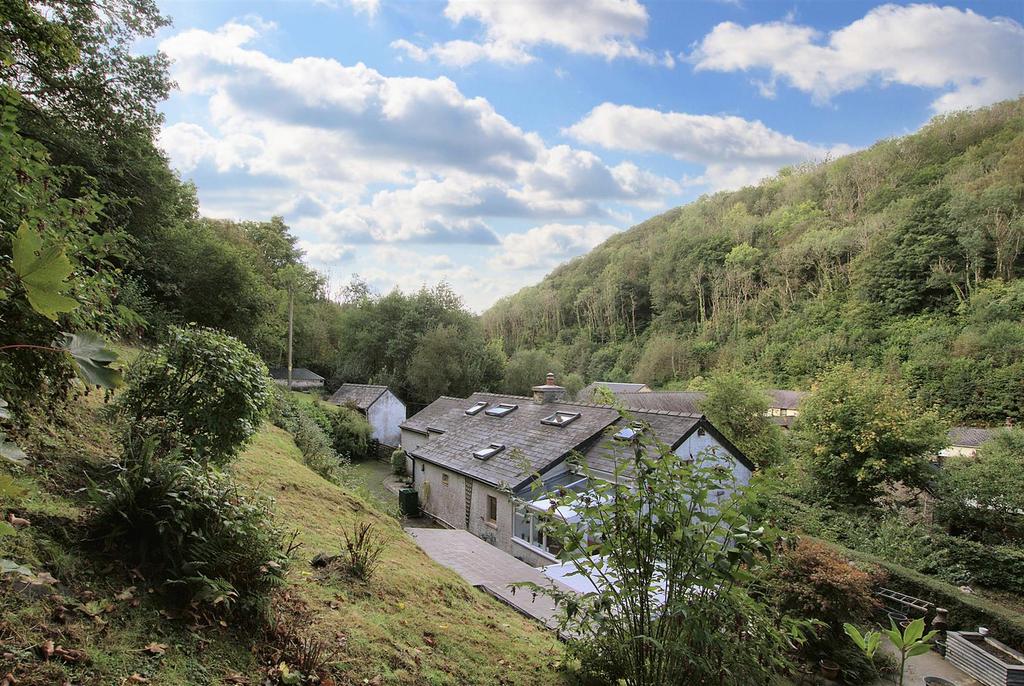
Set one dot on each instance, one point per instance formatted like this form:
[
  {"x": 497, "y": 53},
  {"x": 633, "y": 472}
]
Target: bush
[
  {"x": 301, "y": 421},
  {"x": 812, "y": 581},
  {"x": 212, "y": 544},
  {"x": 350, "y": 433},
  {"x": 363, "y": 550},
  {"x": 398, "y": 462},
  {"x": 202, "y": 391}
]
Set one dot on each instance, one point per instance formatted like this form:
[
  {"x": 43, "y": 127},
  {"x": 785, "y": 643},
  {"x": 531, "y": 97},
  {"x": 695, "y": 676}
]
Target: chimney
[{"x": 549, "y": 392}]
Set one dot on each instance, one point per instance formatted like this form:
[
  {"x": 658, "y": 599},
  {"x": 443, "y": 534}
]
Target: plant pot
[
  {"x": 829, "y": 669},
  {"x": 897, "y": 617}
]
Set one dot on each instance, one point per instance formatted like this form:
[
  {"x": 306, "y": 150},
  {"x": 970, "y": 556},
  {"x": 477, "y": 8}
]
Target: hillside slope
[
  {"x": 905, "y": 256},
  {"x": 414, "y": 623}
]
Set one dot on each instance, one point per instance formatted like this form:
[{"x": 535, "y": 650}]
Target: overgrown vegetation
[{"x": 905, "y": 257}]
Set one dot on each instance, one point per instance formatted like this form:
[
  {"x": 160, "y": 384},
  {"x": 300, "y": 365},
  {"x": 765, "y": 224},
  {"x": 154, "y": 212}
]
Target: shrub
[
  {"x": 212, "y": 544},
  {"x": 363, "y": 550},
  {"x": 350, "y": 433},
  {"x": 301, "y": 421},
  {"x": 812, "y": 581},
  {"x": 202, "y": 390},
  {"x": 398, "y": 462}
]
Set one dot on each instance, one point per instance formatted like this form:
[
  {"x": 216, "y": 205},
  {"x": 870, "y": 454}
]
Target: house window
[
  {"x": 423, "y": 466},
  {"x": 526, "y": 526},
  {"x": 476, "y": 408},
  {"x": 501, "y": 409},
  {"x": 488, "y": 452},
  {"x": 701, "y": 431},
  {"x": 492, "y": 510},
  {"x": 444, "y": 479},
  {"x": 560, "y": 418},
  {"x": 630, "y": 432}
]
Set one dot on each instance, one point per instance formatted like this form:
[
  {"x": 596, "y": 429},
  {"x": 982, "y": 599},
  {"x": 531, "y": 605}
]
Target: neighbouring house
[
  {"x": 473, "y": 459},
  {"x": 964, "y": 441},
  {"x": 586, "y": 394},
  {"x": 783, "y": 406},
  {"x": 302, "y": 378},
  {"x": 382, "y": 409}
]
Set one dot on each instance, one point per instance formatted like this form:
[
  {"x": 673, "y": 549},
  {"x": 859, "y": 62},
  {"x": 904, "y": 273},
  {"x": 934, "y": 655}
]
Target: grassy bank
[{"x": 414, "y": 623}]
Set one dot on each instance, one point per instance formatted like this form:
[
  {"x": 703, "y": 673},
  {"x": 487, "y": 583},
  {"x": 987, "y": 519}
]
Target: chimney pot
[{"x": 550, "y": 378}]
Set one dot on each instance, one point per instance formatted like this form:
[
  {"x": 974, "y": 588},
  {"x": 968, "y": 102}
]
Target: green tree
[
  {"x": 529, "y": 368},
  {"x": 984, "y": 495},
  {"x": 737, "y": 407},
  {"x": 863, "y": 432}
]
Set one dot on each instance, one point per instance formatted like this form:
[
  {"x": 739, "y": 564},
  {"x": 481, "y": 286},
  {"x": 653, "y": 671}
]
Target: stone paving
[
  {"x": 483, "y": 565},
  {"x": 929, "y": 664}
]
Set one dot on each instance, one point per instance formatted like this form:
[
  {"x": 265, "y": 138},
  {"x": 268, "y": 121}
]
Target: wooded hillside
[{"x": 905, "y": 256}]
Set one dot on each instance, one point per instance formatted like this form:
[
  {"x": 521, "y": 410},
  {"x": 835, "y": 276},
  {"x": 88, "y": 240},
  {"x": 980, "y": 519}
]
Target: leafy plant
[
  {"x": 665, "y": 543},
  {"x": 210, "y": 542},
  {"x": 910, "y": 643},
  {"x": 202, "y": 388},
  {"x": 363, "y": 550},
  {"x": 398, "y": 458}
]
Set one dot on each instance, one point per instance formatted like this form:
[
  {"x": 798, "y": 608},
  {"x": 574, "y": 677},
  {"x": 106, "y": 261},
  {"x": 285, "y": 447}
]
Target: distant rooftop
[
  {"x": 969, "y": 436},
  {"x": 298, "y": 374},
  {"x": 360, "y": 395}
]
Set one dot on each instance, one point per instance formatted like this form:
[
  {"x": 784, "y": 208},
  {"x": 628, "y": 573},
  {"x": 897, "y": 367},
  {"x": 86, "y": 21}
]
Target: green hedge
[
  {"x": 993, "y": 566},
  {"x": 966, "y": 611}
]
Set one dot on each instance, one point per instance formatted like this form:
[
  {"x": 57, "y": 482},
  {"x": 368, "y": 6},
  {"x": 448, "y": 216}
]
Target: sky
[{"x": 484, "y": 142}]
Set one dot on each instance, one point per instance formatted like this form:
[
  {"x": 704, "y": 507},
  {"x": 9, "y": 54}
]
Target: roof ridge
[{"x": 364, "y": 385}]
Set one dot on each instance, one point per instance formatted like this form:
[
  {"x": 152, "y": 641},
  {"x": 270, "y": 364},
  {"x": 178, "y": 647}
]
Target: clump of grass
[{"x": 363, "y": 550}]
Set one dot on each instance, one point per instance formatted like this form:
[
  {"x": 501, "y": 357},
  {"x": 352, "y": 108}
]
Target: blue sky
[{"x": 483, "y": 143}]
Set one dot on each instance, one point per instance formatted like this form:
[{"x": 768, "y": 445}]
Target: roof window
[
  {"x": 628, "y": 433},
  {"x": 560, "y": 418},
  {"x": 501, "y": 409},
  {"x": 476, "y": 408},
  {"x": 488, "y": 452}
]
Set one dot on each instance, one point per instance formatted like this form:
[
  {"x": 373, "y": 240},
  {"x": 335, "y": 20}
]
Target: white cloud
[
  {"x": 543, "y": 247},
  {"x": 601, "y": 28},
  {"x": 367, "y": 7},
  {"x": 977, "y": 60},
  {"x": 735, "y": 151},
  {"x": 329, "y": 132}
]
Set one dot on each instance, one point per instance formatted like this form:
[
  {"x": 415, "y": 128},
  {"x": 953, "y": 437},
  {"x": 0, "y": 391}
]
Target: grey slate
[{"x": 358, "y": 394}]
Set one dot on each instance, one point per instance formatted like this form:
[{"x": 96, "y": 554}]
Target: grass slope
[{"x": 415, "y": 623}]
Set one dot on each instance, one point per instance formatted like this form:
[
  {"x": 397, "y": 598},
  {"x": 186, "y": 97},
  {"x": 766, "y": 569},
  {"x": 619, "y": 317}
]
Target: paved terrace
[{"x": 483, "y": 565}]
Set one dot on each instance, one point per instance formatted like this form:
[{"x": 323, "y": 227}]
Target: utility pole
[{"x": 291, "y": 319}]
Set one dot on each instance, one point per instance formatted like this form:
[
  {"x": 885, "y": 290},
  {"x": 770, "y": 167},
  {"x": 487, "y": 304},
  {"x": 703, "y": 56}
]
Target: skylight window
[
  {"x": 560, "y": 418},
  {"x": 501, "y": 409},
  {"x": 628, "y": 433},
  {"x": 488, "y": 452},
  {"x": 476, "y": 408}
]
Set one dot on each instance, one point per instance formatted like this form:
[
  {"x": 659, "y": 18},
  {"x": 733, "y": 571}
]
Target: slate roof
[
  {"x": 969, "y": 436},
  {"x": 436, "y": 416},
  {"x": 358, "y": 394},
  {"x": 586, "y": 394},
  {"x": 787, "y": 400},
  {"x": 298, "y": 374},
  {"x": 529, "y": 445},
  {"x": 686, "y": 402}
]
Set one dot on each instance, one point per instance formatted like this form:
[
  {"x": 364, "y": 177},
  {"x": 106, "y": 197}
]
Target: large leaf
[
  {"x": 4, "y": 412},
  {"x": 43, "y": 270},
  {"x": 92, "y": 358},
  {"x": 7, "y": 529}
]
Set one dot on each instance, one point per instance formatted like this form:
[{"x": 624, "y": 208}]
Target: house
[
  {"x": 783, "y": 406},
  {"x": 302, "y": 378},
  {"x": 382, "y": 409},
  {"x": 586, "y": 394},
  {"x": 473, "y": 459},
  {"x": 964, "y": 441}
]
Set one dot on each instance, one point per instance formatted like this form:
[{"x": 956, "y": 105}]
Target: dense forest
[{"x": 905, "y": 257}]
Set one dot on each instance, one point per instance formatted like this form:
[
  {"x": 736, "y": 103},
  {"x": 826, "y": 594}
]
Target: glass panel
[
  {"x": 500, "y": 410},
  {"x": 521, "y": 526}
]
